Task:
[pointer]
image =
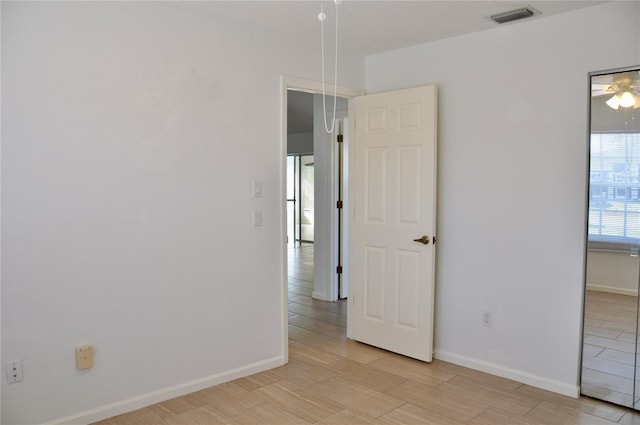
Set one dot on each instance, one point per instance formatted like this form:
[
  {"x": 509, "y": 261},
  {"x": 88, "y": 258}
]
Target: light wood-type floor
[
  {"x": 609, "y": 358},
  {"x": 331, "y": 380}
]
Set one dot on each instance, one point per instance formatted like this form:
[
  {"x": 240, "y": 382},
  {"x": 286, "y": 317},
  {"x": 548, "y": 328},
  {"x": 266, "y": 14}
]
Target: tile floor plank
[
  {"x": 267, "y": 413},
  {"x": 454, "y": 406},
  {"x": 409, "y": 414}
]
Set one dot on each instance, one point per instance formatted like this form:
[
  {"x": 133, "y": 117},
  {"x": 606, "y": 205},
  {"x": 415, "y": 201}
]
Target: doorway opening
[
  {"x": 314, "y": 189},
  {"x": 394, "y": 177},
  {"x": 312, "y": 218}
]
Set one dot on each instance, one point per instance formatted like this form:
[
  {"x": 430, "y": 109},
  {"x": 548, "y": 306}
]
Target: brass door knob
[{"x": 424, "y": 239}]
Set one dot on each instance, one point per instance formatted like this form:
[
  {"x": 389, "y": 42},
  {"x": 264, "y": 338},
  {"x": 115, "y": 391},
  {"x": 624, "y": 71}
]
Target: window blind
[{"x": 614, "y": 189}]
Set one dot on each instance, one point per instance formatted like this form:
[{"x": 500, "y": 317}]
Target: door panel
[
  {"x": 375, "y": 291},
  {"x": 409, "y": 194},
  {"x": 394, "y": 203},
  {"x": 375, "y": 184},
  {"x": 408, "y": 289}
]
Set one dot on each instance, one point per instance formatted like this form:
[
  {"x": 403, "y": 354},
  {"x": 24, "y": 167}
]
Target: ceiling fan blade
[
  {"x": 602, "y": 89},
  {"x": 596, "y": 93},
  {"x": 612, "y": 87}
]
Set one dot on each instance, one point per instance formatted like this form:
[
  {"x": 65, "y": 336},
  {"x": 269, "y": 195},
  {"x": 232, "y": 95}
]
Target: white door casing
[{"x": 393, "y": 194}]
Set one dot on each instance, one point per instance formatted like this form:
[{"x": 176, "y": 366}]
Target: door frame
[
  {"x": 314, "y": 87},
  {"x": 585, "y": 259}
]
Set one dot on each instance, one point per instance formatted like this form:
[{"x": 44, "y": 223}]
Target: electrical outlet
[
  {"x": 487, "y": 319},
  {"x": 84, "y": 357},
  {"x": 14, "y": 371}
]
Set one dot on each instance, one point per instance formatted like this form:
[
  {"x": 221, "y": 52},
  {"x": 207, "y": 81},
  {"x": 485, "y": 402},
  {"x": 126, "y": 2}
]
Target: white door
[{"x": 394, "y": 196}]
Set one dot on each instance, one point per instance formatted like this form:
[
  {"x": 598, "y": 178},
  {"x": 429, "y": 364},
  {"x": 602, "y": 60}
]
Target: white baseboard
[
  {"x": 124, "y": 406},
  {"x": 505, "y": 372},
  {"x": 612, "y": 290}
]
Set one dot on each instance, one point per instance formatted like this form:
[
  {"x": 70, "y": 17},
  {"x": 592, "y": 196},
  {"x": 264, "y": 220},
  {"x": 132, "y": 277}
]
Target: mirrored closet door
[{"x": 610, "y": 342}]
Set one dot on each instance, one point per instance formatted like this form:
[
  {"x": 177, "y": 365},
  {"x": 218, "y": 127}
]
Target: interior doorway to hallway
[
  {"x": 310, "y": 286},
  {"x": 314, "y": 187},
  {"x": 312, "y": 320}
]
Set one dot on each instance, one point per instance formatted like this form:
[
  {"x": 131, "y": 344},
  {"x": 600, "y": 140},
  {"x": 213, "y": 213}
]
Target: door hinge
[
  {"x": 339, "y": 269},
  {"x": 339, "y": 205},
  {"x": 339, "y": 138}
]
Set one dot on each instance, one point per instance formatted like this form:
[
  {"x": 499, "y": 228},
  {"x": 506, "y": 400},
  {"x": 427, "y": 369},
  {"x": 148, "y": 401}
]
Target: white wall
[
  {"x": 615, "y": 272},
  {"x": 512, "y": 165},
  {"x": 131, "y": 133},
  {"x": 300, "y": 143}
]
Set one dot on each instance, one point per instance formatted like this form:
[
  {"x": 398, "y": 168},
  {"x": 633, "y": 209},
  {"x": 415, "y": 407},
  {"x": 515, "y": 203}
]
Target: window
[
  {"x": 614, "y": 189},
  {"x": 300, "y": 198}
]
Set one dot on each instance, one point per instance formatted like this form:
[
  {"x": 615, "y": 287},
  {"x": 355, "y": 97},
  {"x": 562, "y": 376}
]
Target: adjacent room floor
[
  {"x": 609, "y": 347},
  {"x": 331, "y": 380}
]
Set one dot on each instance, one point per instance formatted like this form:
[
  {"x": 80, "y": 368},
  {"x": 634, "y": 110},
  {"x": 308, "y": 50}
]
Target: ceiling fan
[{"x": 623, "y": 87}]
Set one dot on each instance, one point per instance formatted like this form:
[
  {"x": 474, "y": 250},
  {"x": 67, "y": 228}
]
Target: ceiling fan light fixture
[
  {"x": 614, "y": 102},
  {"x": 627, "y": 99}
]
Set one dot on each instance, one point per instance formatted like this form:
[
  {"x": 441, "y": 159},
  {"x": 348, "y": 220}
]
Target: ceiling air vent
[{"x": 513, "y": 15}]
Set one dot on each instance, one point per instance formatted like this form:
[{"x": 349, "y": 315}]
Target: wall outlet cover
[
  {"x": 84, "y": 357},
  {"x": 14, "y": 371}
]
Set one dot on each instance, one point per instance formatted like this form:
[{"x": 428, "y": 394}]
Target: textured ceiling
[{"x": 367, "y": 27}]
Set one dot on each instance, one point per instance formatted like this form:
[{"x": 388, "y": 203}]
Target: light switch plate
[
  {"x": 257, "y": 188},
  {"x": 257, "y": 217}
]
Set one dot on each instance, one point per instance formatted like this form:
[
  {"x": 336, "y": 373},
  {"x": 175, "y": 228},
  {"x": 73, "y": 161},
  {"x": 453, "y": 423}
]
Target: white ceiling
[{"x": 367, "y": 27}]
